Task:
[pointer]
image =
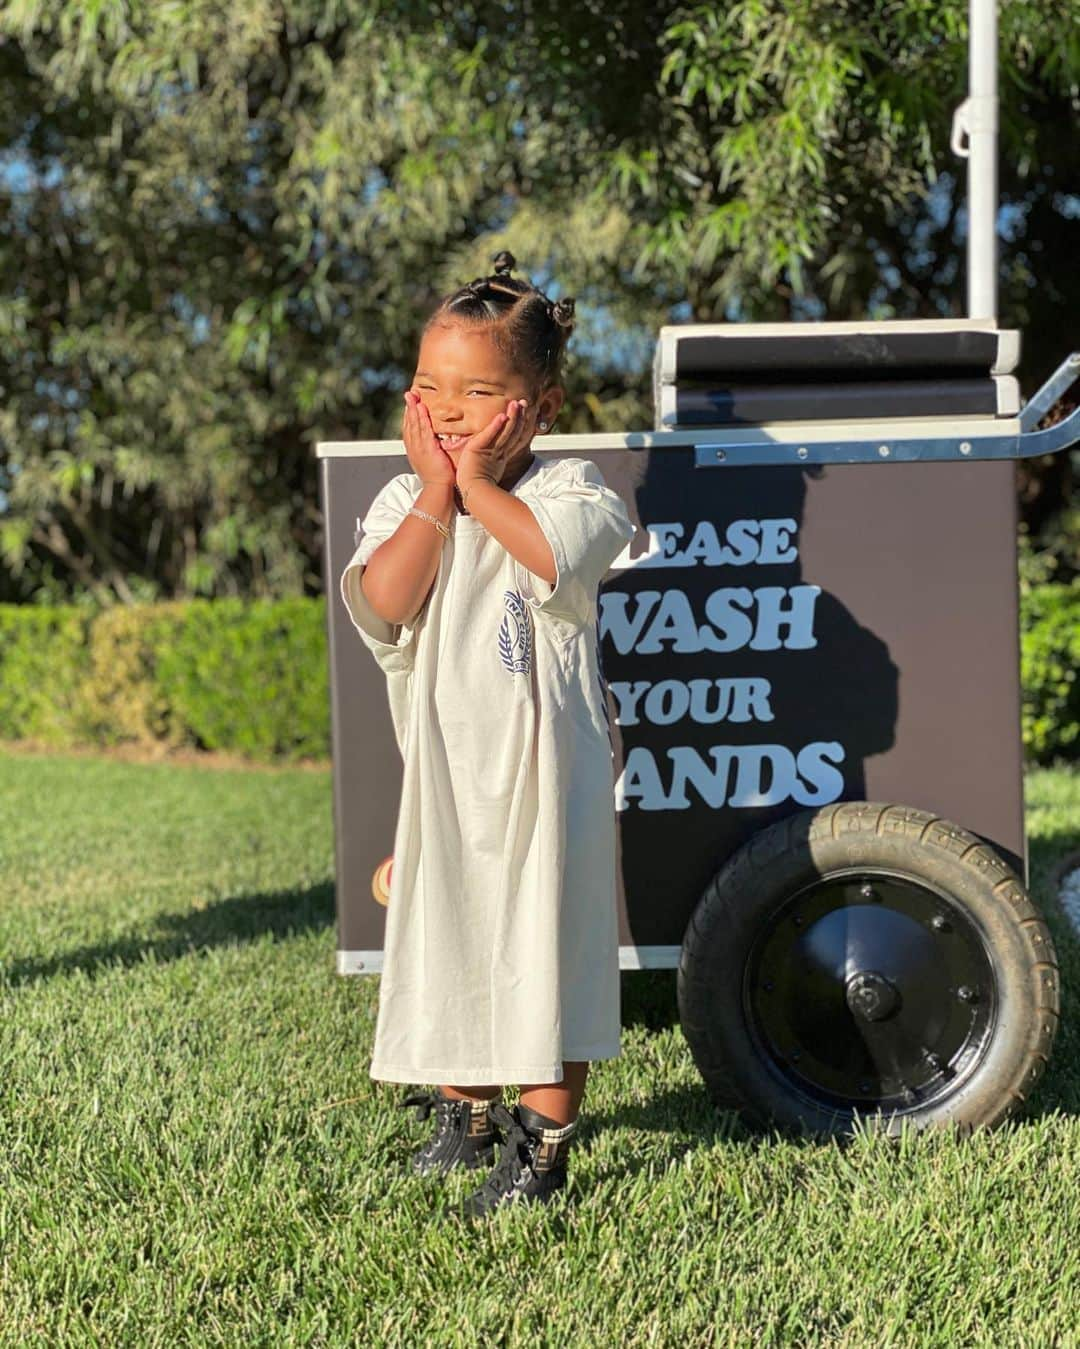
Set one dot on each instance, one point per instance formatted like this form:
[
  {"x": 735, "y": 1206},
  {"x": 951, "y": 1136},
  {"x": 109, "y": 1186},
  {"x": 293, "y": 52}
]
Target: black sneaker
[
  {"x": 463, "y": 1136},
  {"x": 532, "y": 1161}
]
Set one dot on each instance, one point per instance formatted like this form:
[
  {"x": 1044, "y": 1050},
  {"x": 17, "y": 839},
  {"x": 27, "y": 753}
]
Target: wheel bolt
[
  {"x": 868, "y": 892},
  {"x": 939, "y": 923},
  {"x": 935, "y": 1061},
  {"x": 966, "y": 994}
]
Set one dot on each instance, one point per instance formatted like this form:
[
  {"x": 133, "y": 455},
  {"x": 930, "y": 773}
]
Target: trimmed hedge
[
  {"x": 251, "y": 677},
  {"x": 246, "y": 676},
  {"x": 1049, "y": 656}
]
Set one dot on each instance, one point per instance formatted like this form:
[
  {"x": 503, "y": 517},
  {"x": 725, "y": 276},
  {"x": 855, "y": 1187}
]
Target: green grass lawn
[{"x": 192, "y": 1151}]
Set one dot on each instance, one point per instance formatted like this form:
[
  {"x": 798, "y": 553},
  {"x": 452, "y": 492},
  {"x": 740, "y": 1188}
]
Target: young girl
[{"x": 475, "y": 586}]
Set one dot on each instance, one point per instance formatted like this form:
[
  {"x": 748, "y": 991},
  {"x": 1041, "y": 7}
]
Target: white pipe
[{"x": 982, "y": 128}]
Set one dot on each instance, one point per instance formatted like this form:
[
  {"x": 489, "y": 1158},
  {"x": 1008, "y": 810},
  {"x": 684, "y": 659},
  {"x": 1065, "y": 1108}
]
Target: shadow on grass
[
  {"x": 648, "y": 999},
  {"x": 229, "y": 922}
]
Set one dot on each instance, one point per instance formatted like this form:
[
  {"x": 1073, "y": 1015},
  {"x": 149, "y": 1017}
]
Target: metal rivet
[
  {"x": 966, "y": 994},
  {"x": 883, "y": 450},
  {"x": 720, "y": 454},
  {"x": 802, "y": 451},
  {"x": 965, "y": 447},
  {"x": 939, "y": 923},
  {"x": 868, "y": 892}
]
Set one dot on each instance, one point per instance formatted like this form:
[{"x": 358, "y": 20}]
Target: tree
[{"x": 226, "y": 224}]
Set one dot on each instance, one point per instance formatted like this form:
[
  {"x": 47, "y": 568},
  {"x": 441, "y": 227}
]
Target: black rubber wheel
[{"x": 868, "y": 960}]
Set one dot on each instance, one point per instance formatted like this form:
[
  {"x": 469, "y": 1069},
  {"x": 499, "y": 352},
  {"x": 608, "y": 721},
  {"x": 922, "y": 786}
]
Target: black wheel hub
[
  {"x": 870, "y": 990},
  {"x": 871, "y": 996}
]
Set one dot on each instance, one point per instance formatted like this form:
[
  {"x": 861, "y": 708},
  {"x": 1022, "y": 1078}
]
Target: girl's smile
[{"x": 464, "y": 379}]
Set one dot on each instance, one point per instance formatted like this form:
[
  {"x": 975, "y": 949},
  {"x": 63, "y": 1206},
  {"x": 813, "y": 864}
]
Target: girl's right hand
[{"x": 429, "y": 460}]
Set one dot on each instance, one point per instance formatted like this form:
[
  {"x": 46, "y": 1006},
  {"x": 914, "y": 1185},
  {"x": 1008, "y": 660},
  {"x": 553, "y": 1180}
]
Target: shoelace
[
  {"x": 425, "y": 1103},
  {"x": 515, "y": 1152}
]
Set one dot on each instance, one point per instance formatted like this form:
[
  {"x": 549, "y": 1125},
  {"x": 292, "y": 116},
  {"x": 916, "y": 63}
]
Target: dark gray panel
[{"x": 913, "y": 671}]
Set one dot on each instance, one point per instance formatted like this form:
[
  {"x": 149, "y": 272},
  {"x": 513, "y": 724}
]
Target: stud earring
[{"x": 543, "y": 426}]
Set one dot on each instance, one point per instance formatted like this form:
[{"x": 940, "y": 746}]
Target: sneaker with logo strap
[
  {"x": 532, "y": 1160},
  {"x": 464, "y": 1133}
]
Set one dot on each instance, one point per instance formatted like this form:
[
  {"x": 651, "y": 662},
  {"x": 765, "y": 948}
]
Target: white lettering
[
  {"x": 774, "y": 542},
  {"x": 615, "y": 623},
  {"x": 751, "y": 700},
  {"x": 827, "y": 780},
  {"x": 743, "y": 543},
  {"x": 737, "y": 700},
  {"x": 750, "y": 787},
  {"x": 627, "y": 696},
  {"x": 798, "y": 619},
  {"x": 640, "y": 779},
  {"x": 667, "y": 702},
  {"x": 765, "y": 775},
  {"x": 711, "y": 783},
  {"x": 660, "y": 617},
  {"x": 704, "y": 546},
  {"x": 735, "y": 626}
]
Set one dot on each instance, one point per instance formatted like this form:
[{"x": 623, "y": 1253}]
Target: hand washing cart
[{"x": 812, "y": 658}]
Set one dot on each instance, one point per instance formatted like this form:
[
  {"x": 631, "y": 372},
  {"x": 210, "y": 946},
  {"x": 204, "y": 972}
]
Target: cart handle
[
  {"x": 1036, "y": 408},
  {"x": 895, "y": 449}
]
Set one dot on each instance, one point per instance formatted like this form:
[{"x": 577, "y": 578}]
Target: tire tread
[{"x": 816, "y": 838}]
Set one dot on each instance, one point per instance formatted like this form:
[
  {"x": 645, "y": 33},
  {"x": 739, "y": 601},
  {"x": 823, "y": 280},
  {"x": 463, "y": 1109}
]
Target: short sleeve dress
[{"x": 501, "y": 949}]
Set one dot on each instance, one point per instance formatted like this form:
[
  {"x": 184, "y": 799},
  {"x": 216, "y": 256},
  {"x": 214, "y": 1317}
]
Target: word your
[{"x": 702, "y": 700}]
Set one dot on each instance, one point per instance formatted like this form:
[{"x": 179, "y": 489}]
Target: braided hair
[{"x": 530, "y": 330}]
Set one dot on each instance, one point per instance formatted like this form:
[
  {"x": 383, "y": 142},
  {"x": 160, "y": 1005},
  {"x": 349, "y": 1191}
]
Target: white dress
[{"x": 501, "y": 950}]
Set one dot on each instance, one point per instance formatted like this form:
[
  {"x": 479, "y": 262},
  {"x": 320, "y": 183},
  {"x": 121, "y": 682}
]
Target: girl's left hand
[{"x": 487, "y": 453}]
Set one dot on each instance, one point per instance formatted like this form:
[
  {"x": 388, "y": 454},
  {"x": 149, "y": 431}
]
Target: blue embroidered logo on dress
[{"x": 515, "y": 635}]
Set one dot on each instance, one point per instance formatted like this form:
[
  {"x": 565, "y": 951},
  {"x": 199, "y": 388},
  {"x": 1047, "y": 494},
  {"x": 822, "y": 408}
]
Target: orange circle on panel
[{"x": 380, "y": 881}]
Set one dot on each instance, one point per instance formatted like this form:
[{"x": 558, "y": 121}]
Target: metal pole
[{"x": 982, "y": 126}]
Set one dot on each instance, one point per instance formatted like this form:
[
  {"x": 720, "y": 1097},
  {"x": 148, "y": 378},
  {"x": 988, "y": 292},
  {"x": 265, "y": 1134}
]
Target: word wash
[{"x": 731, "y": 618}]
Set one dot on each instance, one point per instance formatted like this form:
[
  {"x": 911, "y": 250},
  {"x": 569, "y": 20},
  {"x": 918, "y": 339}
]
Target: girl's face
[{"x": 464, "y": 380}]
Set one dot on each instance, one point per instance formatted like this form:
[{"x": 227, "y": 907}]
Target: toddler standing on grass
[{"x": 475, "y": 587}]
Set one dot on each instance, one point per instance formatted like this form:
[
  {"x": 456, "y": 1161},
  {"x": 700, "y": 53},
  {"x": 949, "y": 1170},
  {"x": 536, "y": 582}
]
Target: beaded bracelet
[{"x": 437, "y": 523}]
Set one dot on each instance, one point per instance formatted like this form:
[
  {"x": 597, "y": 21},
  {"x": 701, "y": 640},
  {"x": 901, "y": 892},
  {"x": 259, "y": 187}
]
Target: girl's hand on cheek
[
  {"x": 429, "y": 460},
  {"x": 486, "y": 454}
]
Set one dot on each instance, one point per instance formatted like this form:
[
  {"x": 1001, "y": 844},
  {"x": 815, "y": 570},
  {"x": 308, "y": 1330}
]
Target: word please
[{"x": 744, "y": 542}]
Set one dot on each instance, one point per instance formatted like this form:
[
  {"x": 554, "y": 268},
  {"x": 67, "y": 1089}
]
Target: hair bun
[
  {"x": 504, "y": 263},
  {"x": 562, "y": 311}
]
